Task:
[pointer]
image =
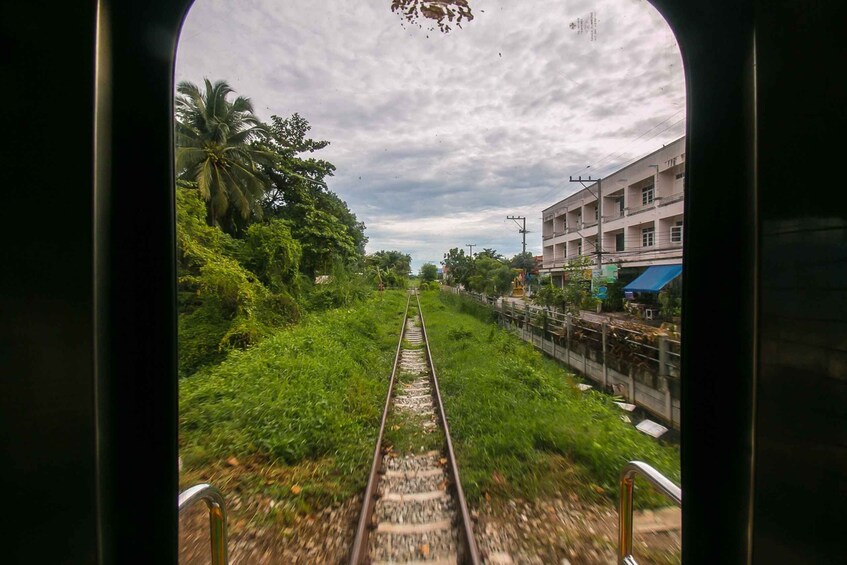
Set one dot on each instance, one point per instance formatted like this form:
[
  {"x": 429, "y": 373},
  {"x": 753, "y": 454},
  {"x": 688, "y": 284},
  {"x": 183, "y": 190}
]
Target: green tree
[
  {"x": 270, "y": 251},
  {"x": 390, "y": 267},
  {"x": 458, "y": 266},
  {"x": 222, "y": 304},
  {"x": 327, "y": 230},
  {"x": 489, "y": 252},
  {"x": 429, "y": 272},
  {"x": 491, "y": 276},
  {"x": 577, "y": 289},
  {"x": 213, "y": 151},
  {"x": 525, "y": 261}
]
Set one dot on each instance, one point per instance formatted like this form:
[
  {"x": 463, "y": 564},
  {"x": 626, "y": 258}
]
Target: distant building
[{"x": 642, "y": 217}]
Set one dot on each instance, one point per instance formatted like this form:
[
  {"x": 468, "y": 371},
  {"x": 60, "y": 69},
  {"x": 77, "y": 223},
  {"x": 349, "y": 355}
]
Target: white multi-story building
[{"x": 641, "y": 210}]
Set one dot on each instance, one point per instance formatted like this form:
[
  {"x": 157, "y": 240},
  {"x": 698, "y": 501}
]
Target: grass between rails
[
  {"x": 292, "y": 421},
  {"x": 520, "y": 425}
]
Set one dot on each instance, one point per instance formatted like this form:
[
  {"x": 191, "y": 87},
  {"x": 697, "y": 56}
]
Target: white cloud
[{"x": 438, "y": 137}]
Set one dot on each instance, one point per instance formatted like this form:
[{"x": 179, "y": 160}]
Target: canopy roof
[{"x": 654, "y": 278}]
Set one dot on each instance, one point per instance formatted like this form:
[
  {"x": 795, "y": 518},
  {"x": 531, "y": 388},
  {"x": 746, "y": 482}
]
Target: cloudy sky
[{"x": 438, "y": 137}]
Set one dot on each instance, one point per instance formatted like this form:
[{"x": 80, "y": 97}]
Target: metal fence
[{"x": 642, "y": 367}]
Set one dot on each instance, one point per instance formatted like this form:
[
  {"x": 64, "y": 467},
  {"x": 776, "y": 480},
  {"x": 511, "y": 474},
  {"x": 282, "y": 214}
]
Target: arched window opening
[{"x": 522, "y": 167}]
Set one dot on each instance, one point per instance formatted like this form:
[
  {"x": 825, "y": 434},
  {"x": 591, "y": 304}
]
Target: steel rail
[
  {"x": 360, "y": 542},
  {"x": 472, "y": 552},
  {"x": 217, "y": 517}
]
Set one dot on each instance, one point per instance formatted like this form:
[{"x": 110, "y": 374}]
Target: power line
[
  {"x": 648, "y": 139},
  {"x": 617, "y": 152}
]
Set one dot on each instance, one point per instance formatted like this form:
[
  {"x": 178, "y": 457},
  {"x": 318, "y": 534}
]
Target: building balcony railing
[
  {"x": 613, "y": 216},
  {"x": 632, "y": 210},
  {"x": 554, "y": 263},
  {"x": 590, "y": 224},
  {"x": 665, "y": 200},
  {"x": 637, "y": 253},
  {"x": 572, "y": 229}
]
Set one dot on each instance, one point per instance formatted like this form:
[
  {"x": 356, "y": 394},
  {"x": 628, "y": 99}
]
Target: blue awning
[{"x": 654, "y": 278}]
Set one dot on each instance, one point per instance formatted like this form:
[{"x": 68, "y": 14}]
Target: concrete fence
[{"x": 643, "y": 368}]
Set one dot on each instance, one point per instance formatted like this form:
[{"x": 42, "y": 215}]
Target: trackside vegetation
[
  {"x": 285, "y": 345},
  {"x": 305, "y": 402},
  {"x": 261, "y": 237},
  {"x": 520, "y": 425}
]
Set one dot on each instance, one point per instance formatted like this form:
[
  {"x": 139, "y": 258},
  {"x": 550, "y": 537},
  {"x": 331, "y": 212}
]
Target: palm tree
[{"x": 213, "y": 150}]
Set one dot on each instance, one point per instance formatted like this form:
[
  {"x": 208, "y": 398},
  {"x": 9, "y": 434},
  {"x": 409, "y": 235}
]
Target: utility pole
[
  {"x": 470, "y": 246},
  {"x": 521, "y": 228},
  {"x": 599, "y": 244}
]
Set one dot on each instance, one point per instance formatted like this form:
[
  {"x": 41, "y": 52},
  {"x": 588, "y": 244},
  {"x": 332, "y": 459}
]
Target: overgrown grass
[
  {"x": 309, "y": 393},
  {"x": 520, "y": 425}
]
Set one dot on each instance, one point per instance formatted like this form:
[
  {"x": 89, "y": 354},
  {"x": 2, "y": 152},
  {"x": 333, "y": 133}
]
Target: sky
[{"x": 437, "y": 137}]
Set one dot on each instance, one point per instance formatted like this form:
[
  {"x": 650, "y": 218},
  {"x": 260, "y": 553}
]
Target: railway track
[{"x": 414, "y": 510}]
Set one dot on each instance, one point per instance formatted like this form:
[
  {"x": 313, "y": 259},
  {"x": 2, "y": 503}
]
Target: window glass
[
  {"x": 646, "y": 195},
  {"x": 647, "y": 235}
]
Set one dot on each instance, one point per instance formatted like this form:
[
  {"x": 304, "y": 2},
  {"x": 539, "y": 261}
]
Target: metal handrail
[
  {"x": 628, "y": 474},
  {"x": 217, "y": 517}
]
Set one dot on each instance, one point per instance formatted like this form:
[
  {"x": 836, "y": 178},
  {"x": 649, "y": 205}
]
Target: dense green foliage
[
  {"x": 575, "y": 293},
  {"x": 391, "y": 268},
  {"x": 327, "y": 230},
  {"x": 457, "y": 266},
  {"x": 309, "y": 392},
  {"x": 491, "y": 276},
  {"x": 429, "y": 272},
  {"x": 487, "y": 272},
  {"x": 257, "y": 226},
  {"x": 222, "y": 303},
  {"x": 532, "y": 431}
]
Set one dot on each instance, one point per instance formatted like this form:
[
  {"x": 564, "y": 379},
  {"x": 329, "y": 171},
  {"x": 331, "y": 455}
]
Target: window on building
[
  {"x": 619, "y": 242},
  {"x": 579, "y": 248},
  {"x": 680, "y": 176},
  {"x": 620, "y": 205},
  {"x": 647, "y": 195},
  {"x": 647, "y": 237},
  {"x": 676, "y": 233},
  {"x": 596, "y": 213}
]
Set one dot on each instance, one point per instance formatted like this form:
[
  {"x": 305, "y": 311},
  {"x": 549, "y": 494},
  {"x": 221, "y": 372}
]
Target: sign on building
[{"x": 601, "y": 278}]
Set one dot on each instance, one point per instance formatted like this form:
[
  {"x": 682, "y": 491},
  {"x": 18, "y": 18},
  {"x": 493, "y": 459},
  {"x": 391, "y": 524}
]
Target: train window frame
[{"x": 125, "y": 405}]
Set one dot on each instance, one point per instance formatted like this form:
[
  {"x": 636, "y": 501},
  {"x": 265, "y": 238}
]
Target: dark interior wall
[
  {"x": 801, "y": 424},
  {"x": 46, "y": 317}
]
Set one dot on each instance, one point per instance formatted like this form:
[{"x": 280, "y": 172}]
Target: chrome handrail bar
[
  {"x": 217, "y": 517},
  {"x": 628, "y": 474}
]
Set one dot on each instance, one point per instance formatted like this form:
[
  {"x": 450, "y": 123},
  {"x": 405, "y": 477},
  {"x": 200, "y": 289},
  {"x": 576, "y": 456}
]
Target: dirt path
[{"x": 565, "y": 531}]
